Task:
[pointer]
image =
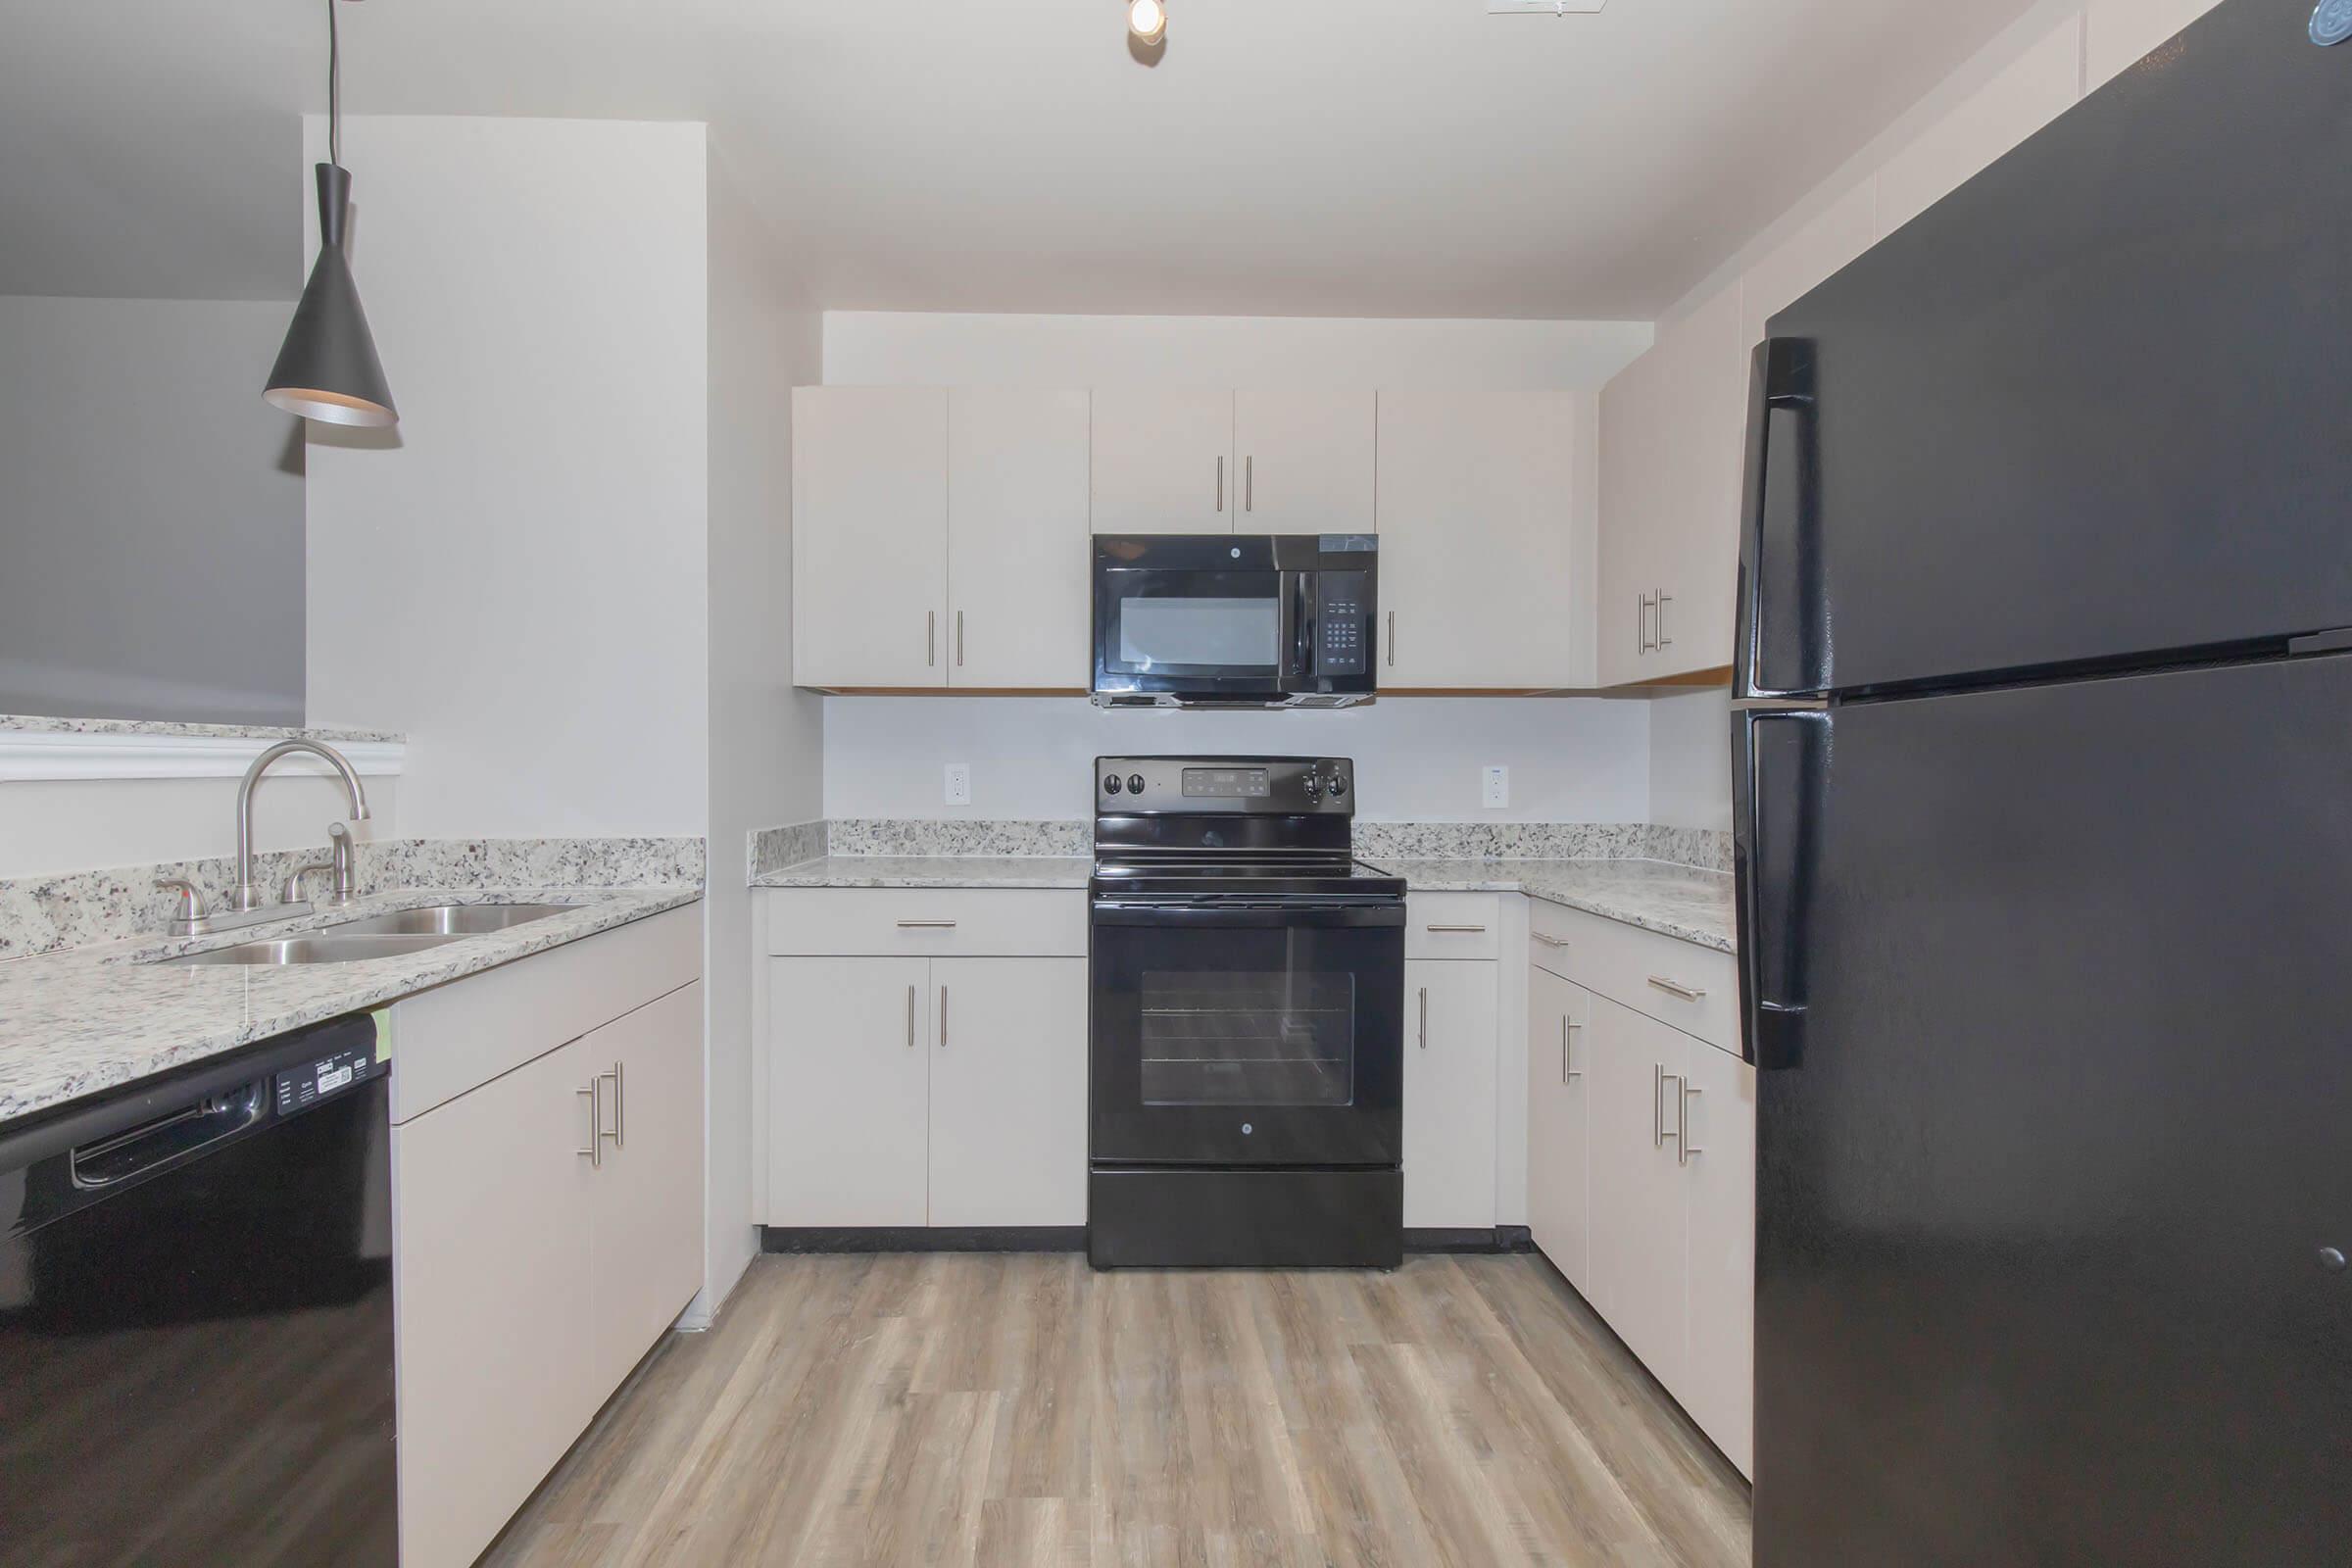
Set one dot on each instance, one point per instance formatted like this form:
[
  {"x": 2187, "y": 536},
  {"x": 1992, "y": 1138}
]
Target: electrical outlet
[
  {"x": 1495, "y": 787},
  {"x": 959, "y": 783}
]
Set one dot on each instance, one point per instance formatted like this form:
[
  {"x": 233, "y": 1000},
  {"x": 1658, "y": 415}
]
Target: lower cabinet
[
  {"x": 531, "y": 1274},
  {"x": 1449, "y": 1090},
  {"x": 906, "y": 1092},
  {"x": 1559, "y": 1079}
]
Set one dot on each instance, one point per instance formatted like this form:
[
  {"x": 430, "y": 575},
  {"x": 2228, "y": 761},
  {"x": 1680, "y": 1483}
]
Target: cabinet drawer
[
  {"x": 1552, "y": 932},
  {"x": 946, "y": 922},
  {"x": 1696, "y": 989},
  {"x": 1453, "y": 925}
]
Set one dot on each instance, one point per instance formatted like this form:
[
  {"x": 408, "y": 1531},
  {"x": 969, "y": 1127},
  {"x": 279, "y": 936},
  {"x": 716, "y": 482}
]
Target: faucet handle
[
  {"x": 188, "y": 915},
  {"x": 291, "y": 892}
]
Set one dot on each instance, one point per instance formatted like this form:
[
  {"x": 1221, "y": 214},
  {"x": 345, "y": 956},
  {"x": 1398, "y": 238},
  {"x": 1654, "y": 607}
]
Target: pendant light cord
[{"x": 334, "y": 89}]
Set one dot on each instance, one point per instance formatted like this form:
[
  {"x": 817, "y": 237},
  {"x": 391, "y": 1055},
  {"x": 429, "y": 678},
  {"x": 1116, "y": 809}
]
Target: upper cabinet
[
  {"x": 1209, "y": 459},
  {"x": 1305, "y": 459},
  {"x": 1476, "y": 540},
  {"x": 939, "y": 538},
  {"x": 869, "y": 535},
  {"x": 1163, "y": 460},
  {"x": 1671, "y": 430}
]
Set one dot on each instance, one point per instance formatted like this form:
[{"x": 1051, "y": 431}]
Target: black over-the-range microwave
[{"x": 1235, "y": 621}]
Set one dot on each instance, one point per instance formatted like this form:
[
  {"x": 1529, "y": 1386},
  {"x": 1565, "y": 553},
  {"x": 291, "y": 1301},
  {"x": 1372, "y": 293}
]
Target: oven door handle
[{"x": 1199, "y": 916}]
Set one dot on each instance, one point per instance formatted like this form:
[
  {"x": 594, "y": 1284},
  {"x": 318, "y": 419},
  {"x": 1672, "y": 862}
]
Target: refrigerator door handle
[
  {"x": 1766, "y": 663},
  {"x": 1779, "y": 774}
]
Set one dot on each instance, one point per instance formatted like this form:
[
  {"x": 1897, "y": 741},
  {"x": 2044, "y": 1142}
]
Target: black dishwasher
[{"x": 196, "y": 1314}]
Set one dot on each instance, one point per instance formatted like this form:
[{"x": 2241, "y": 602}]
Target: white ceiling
[{"x": 1286, "y": 157}]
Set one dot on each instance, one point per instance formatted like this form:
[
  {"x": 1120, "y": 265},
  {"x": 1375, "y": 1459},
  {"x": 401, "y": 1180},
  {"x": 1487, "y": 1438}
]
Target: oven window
[
  {"x": 1233, "y": 633},
  {"x": 1283, "y": 1038}
]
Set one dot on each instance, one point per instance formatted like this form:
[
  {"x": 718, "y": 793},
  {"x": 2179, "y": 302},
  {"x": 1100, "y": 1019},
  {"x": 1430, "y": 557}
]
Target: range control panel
[{"x": 1291, "y": 786}]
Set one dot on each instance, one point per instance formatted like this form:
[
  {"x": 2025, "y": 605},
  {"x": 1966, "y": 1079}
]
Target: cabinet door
[
  {"x": 647, "y": 1237},
  {"x": 492, "y": 1197},
  {"x": 1449, "y": 1105},
  {"x": 1718, "y": 1383},
  {"x": 1306, "y": 461},
  {"x": 1163, "y": 460},
  {"x": 1638, "y": 1236},
  {"x": 1560, "y": 1198},
  {"x": 1009, "y": 1091},
  {"x": 869, "y": 535},
  {"x": 1018, "y": 554},
  {"x": 849, "y": 1090},
  {"x": 1475, "y": 548}
]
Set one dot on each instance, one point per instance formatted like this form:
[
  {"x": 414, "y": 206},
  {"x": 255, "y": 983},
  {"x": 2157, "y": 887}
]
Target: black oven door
[{"x": 1228, "y": 1032}]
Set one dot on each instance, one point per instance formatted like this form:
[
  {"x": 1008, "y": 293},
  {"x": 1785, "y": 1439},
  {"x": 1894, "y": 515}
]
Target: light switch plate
[
  {"x": 1495, "y": 787},
  {"x": 959, "y": 783}
]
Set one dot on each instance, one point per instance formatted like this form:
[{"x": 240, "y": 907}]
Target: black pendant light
[{"x": 328, "y": 368}]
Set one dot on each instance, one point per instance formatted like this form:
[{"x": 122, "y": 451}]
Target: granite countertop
[
  {"x": 75, "y": 1022},
  {"x": 42, "y": 725},
  {"x": 1676, "y": 901},
  {"x": 932, "y": 871}
]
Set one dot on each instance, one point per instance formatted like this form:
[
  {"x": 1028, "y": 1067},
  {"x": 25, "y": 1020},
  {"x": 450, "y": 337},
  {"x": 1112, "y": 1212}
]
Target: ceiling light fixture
[
  {"x": 1148, "y": 20},
  {"x": 328, "y": 370}
]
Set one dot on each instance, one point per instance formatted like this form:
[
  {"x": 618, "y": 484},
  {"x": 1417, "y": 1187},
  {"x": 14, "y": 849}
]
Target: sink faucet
[{"x": 248, "y": 896}]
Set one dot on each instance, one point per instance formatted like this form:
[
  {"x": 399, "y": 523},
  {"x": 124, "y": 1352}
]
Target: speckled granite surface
[
  {"x": 72, "y": 909},
  {"x": 37, "y": 725},
  {"x": 774, "y": 847},
  {"x": 932, "y": 871},
  {"x": 74, "y": 1023},
  {"x": 1676, "y": 901},
  {"x": 956, "y": 836}
]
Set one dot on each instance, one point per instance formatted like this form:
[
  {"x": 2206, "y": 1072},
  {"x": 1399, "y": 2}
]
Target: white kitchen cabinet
[
  {"x": 1640, "y": 1205},
  {"x": 1008, "y": 1074},
  {"x": 870, "y": 536},
  {"x": 1719, "y": 1180},
  {"x": 1163, "y": 460},
  {"x": 849, "y": 1090},
  {"x": 1673, "y": 430},
  {"x": 1019, "y": 556},
  {"x": 646, "y": 1236},
  {"x": 2035, "y": 89},
  {"x": 1304, "y": 461},
  {"x": 1476, "y": 542},
  {"x": 495, "y": 1202},
  {"x": 1450, "y": 1088},
  {"x": 1559, "y": 1196}
]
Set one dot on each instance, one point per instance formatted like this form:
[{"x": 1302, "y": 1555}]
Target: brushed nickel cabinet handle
[
  {"x": 1675, "y": 988},
  {"x": 1683, "y": 1124},
  {"x": 1568, "y": 1068},
  {"x": 1249, "y": 483},
  {"x": 943, "y": 1017},
  {"x": 613, "y": 1078},
  {"x": 1425, "y": 1017},
  {"x": 1463, "y": 930},
  {"x": 1550, "y": 942},
  {"x": 926, "y": 925},
  {"x": 959, "y": 639},
  {"x": 1392, "y": 639},
  {"x": 930, "y": 638},
  {"x": 910, "y": 1017},
  {"x": 596, "y": 1121},
  {"x": 1659, "y": 1079},
  {"x": 1220, "y": 484},
  {"x": 1663, "y": 599}
]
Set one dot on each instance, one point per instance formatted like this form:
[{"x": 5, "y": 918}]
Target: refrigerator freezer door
[
  {"x": 2091, "y": 405},
  {"x": 2045, "y": 1198}
]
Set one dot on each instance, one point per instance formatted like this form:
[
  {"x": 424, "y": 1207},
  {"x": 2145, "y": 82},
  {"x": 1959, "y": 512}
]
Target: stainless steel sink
[
  {"x": 448, "y": 919},
  {"x": 332, "y": 947}
]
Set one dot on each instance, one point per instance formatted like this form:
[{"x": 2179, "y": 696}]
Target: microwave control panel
[{"x": 1343, "y": 622}]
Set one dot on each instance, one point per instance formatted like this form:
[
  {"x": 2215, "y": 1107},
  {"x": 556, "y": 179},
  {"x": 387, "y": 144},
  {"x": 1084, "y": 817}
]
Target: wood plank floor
[{"x": 1024, "y": 1409}]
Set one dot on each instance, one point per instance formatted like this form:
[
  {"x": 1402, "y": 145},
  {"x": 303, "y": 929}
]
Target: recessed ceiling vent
[{"x": 1543, "y": 7}]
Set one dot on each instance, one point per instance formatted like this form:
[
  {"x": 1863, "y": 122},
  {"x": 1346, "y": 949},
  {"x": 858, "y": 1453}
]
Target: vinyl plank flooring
[{"x": 1023, "y": 1411}]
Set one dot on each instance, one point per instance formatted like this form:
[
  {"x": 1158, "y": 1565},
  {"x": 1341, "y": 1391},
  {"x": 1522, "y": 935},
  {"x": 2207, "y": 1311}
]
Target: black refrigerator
[{"x": 2043, "y": 778}]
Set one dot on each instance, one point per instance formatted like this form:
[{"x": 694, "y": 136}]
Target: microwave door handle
[{"x": 1302, "y": 664}]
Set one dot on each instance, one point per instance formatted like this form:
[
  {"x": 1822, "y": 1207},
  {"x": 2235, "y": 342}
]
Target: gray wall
[{"x": 151, "y": 512}]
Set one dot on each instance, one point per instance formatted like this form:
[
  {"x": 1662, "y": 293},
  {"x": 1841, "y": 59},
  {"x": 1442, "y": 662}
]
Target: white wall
[
  {"x": 766, "y": 739},
  {"x": 1690, "y": 761},
  {"x": 52, "y": 825},
  {"x": 516, "y": 577},
  {"x": 1580, "y": 759},
  {"x": 884, "y": 348},
  {"x": 150, "y": 513}
]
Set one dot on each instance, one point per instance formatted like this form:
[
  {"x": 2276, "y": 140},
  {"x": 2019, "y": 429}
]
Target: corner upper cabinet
[
  {"x": 1476, "y": 539},
  {"x": 1673, "y": 428},
  {"x": 870, "y": 536},
  {"x": 1163, "y": 460},
  {"x": 1302, "y": 458},
  {"x": 1019, "y": 551}
]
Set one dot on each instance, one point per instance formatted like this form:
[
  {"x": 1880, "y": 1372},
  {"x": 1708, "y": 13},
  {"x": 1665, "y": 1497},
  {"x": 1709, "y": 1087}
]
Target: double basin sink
[{"x": 378, "y": 935}]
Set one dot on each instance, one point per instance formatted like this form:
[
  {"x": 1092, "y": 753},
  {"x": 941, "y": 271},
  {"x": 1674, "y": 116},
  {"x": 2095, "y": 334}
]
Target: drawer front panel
[
  {"x": 929, "y": 922},
  {"x": 1453, "y": 925},
  {"x": 1695, "y": 989},
  {"x": 1552, "y": 932}
]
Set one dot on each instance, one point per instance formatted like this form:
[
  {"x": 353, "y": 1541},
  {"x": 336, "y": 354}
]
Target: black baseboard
[
  {"x": 1492, "y": 1239},
  {"x": 922, "y": 1239}
]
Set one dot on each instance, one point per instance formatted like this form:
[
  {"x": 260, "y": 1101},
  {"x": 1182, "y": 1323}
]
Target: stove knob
[
  {"x": 1111, "y": 784},
  {"x": 1314, "y": 789},
  {"x": 1134, "y": 783},
  {"x": 1339, "y": 785}
]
